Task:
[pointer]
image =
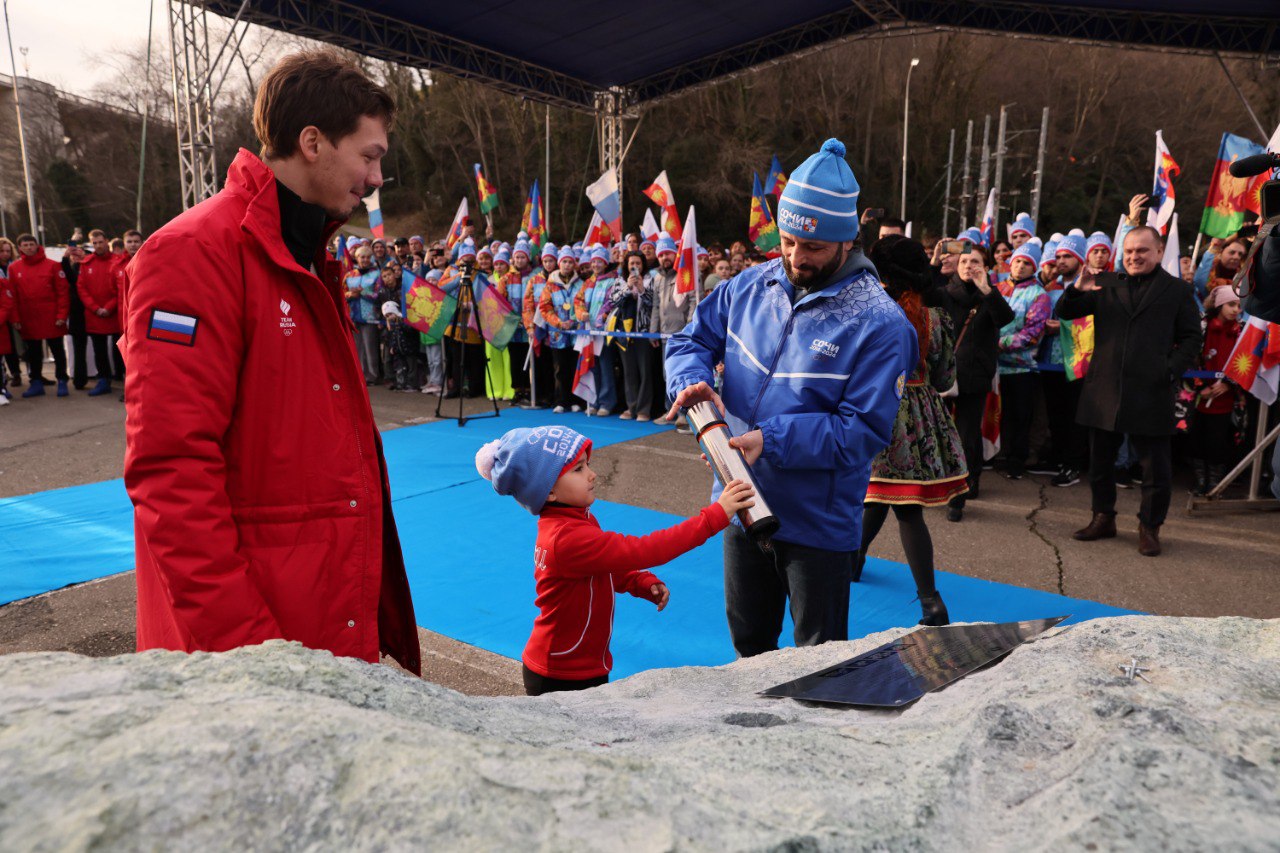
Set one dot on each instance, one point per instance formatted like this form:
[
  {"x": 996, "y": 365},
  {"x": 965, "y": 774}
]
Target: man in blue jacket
[{"x": 815, "y": 358}]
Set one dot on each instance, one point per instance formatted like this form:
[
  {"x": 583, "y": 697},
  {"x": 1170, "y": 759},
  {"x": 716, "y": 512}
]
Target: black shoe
[
  {"x": 1066, "y": 477},
  {"x": 1123, "y": 479},
  {"x": 1135, "y": 472},
  {"x": 955, "y": 513},
  {"x": 1045, "y": 467},
  {"x": 1013, "y": 472},
  {"x": 933, "y": 611}
]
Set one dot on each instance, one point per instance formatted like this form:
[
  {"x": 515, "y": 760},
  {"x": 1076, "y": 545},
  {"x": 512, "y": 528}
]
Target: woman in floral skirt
[{"x": 924, "y": 463}]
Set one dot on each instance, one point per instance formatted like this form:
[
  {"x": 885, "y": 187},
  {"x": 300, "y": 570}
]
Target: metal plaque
[{"x": 900, "y": 672}]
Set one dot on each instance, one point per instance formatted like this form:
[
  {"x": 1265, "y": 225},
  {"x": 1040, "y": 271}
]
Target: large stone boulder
[{"x": 279, "y": 747}]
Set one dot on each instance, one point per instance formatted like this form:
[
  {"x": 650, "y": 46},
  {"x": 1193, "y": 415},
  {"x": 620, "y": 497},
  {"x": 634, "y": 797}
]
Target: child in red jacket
[{"x": 579, "y": 567}]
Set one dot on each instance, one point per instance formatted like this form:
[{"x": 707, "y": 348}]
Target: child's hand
[
  {"x": 662, "y": 595},
  {"x": 737, "y": 495}
]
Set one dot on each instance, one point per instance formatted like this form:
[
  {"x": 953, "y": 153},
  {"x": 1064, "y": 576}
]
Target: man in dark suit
[{"x": 1146, "y": 334}]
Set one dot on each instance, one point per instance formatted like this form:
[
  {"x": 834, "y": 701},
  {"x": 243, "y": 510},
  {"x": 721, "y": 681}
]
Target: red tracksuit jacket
[
  {"x": 579, "y": 568},
  {"x": 97, "y": 284}
]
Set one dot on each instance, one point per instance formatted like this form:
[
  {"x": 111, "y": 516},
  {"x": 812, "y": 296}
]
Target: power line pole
[
  {"x": 946, "y": 203},
  {"x": 985, "y": 165},
  {"x": 965, "y": 185},
  {"x": 22, "y": 139},
  {"x": 1035, "y": 193},
  {"x": 995, "y": 208}
]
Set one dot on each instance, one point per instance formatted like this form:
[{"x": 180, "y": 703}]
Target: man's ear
[{"x": 309, "y": 143}]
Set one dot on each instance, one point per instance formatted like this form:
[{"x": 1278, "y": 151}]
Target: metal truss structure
[
  {"x": 192, "y": 102},
  {"x": 411, "y": 41}
]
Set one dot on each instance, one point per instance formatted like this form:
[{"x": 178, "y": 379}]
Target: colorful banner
[
  {"x": 536, "y": 227},
  {"x": 777, "y": 180},
  {"x": 687, "y": 261},
  {"x": 428, "y": 308},
  {"x": 649, "y": 229},
  {"x": 584, "y": 381},
  {"x": 488, "y": 195},
  {"x": 761, "y": 228},
  {"x": 1076, "y": 337},
  {"x": 498, "y": 320},
  {"x": 659, "y": 192},
  {"x": 988, "y": 227},
  {"x": 460, "y": 220},
  {"x": 1162, "y": 195},
  {"x": 605, "y": 199},
  {"x": 1254, "y": 364},
  {"x": 1228, "y": 198}
]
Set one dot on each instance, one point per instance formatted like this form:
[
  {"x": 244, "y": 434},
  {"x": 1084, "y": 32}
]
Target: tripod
[{"x": 465, "y": 306}]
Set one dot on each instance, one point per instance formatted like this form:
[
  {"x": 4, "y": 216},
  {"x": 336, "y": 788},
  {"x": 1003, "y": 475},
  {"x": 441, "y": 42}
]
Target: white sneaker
[
  {"x": 577, "y": 408},
  {"x": 558, "y": 410},
  {"x": 4, "y": 401},
  {"x": 603, "y": 412}
]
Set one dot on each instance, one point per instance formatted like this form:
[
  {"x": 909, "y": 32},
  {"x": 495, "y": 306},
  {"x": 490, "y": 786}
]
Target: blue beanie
[
  {"x": 820, "y": 201},
  {"x": 973, "y": 235},
  {"x": 1029, "y": 250},
  {"x": 521, "y": 247},
  {"x": 550, "y": 250},
  {"x": 1073, "y": 243},
  {"x": 525, "y": 463},
  {"x": 1049, "y": 250},
  {"x": 503, "y": 257},
  {"x": 600, "y": 253},
  {"x": 566, "y": 252},
  {"x": 667, "y": 244},
  {"x": 647, "y": 240},
  {"x": 484, "y": 250},
  {"x": 522, "y": 235},
  {"x": 1023, "y": 223},
  {"x": 467, "y": 249},
  {"x": 701, "y": 252},
  {"x": 1097, "y": 238}
]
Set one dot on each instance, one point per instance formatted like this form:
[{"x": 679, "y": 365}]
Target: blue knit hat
[
  {"x": 1023, "y": 222},
  {"x": 522, "y": 235},
  {"x": 466, "y": 249},
  {"x": 1073, "y": 243},
  {"x": 667, "y": 244},
  {"x": 648, "y": 241},
  {"x": 503, "y": 257},
  {"x": 1029, "y": 250},
  {"x": 525, "y": 463},
  {"x": 1097, "y": 238},
  {"x": 701, "y": 252},
  {"x": 820, "y": 201},
  {"x": 1049, "y": 251},
  {"x": 599, "y": 253},
  {"x": 550, "y": 251},
  {"x": 567, "y": 252},
  {"x": 484, "y": 250},
  {"x": 521, "y": 246},
  {"x": 973, "y": 235}
]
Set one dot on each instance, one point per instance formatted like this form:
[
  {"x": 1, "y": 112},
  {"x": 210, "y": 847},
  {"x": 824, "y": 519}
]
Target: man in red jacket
[
  {"x": 262, "y": 507},
  {"x": 44, "y": 301},
  {"x": 97, "y": 285}
]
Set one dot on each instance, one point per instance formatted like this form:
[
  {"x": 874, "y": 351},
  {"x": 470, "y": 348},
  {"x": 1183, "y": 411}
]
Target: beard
[{"x": 808, "y": 277}]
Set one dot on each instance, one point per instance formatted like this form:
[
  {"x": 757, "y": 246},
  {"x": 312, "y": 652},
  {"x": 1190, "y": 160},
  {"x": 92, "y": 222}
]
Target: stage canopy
[{"x": 565, "y": 53}]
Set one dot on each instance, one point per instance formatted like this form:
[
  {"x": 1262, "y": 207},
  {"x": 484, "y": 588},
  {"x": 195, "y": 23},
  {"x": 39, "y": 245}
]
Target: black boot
[
  {"x": 1217, "y": 473},
  {"x": 1200, "y": 474},
  {"x": 933, "y": 611}
]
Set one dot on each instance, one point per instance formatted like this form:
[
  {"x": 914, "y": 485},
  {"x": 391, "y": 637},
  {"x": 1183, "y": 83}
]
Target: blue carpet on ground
[{"x": 469, "y": 554}]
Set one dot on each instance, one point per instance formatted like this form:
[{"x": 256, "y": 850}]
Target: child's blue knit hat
[
  {"x": 525, "y": 463},
  {"x": 599, "y": 253},
  {"x": 567, "y": 252},
  {"x": 820, "y": 201},
  {"x": 550, "y": 250}
]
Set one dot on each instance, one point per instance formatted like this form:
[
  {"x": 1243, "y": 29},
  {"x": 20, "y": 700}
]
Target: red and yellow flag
[{"x": 659, "y": 192}]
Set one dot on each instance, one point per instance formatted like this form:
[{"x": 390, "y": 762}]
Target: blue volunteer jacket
[{"x": 822, "y": 382}]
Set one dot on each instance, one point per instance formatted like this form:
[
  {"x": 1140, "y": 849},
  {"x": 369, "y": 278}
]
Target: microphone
[{"x": 1254, "y": 164}]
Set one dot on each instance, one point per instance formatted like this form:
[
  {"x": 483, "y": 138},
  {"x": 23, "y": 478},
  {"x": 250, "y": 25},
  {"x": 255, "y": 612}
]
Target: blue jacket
[
  {"x": 822, "y": 382},
  {"x": 364, "y": 308}
]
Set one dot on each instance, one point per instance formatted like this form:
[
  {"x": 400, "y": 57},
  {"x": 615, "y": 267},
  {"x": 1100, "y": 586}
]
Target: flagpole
[{"x": 1195, "y": 251}]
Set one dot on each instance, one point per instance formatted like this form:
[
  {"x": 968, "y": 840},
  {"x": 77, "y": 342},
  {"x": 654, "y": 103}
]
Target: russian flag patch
[{"x": 172, "y": 328}]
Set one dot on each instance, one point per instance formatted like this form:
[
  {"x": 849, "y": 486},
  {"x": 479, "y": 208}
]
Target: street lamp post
[
  {"x": 22, "y": 140},
  {"x": 906, "y": 109}
]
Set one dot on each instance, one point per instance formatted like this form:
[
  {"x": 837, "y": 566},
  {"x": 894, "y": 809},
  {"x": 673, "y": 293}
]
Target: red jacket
[
  {"x": 43, "y": 294},
  {"x": 1219, "y": 339},
  {"x": 262, "y": 508},
  {"x": 8, "y": 314},
  {"x": 97, "y": 284},
  {"x": 578, "y": 568}
]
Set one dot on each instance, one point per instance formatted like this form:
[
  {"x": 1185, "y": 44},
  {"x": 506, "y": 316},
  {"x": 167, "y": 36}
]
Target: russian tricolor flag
[
  {"x": 375, "y": 213},
  {"x": 605, "y": 199},
  {"x": 171, "y": 327}
]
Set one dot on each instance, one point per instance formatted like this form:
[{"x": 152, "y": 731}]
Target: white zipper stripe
[
  {"x": 794, "y": 183},
  {"x": 748, "y": 353},
  {"x": 812, "y": 375},
  {"x": 590, "y": 598}
]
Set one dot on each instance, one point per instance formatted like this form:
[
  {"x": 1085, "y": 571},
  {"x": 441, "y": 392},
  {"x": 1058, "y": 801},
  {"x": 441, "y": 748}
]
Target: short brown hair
[
  {"x": 97, "y": 232},
  {"x": 319, "y": 88}
]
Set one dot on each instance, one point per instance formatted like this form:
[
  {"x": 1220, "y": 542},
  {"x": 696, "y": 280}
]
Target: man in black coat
[{"x": 1146, "y": 334}]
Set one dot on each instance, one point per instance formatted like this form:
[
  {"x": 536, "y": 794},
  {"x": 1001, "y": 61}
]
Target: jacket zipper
[{"x": 773, "y": 365}]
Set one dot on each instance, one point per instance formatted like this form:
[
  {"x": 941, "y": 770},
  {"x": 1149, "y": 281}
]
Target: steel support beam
[{"x": 192, "y": 104}]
